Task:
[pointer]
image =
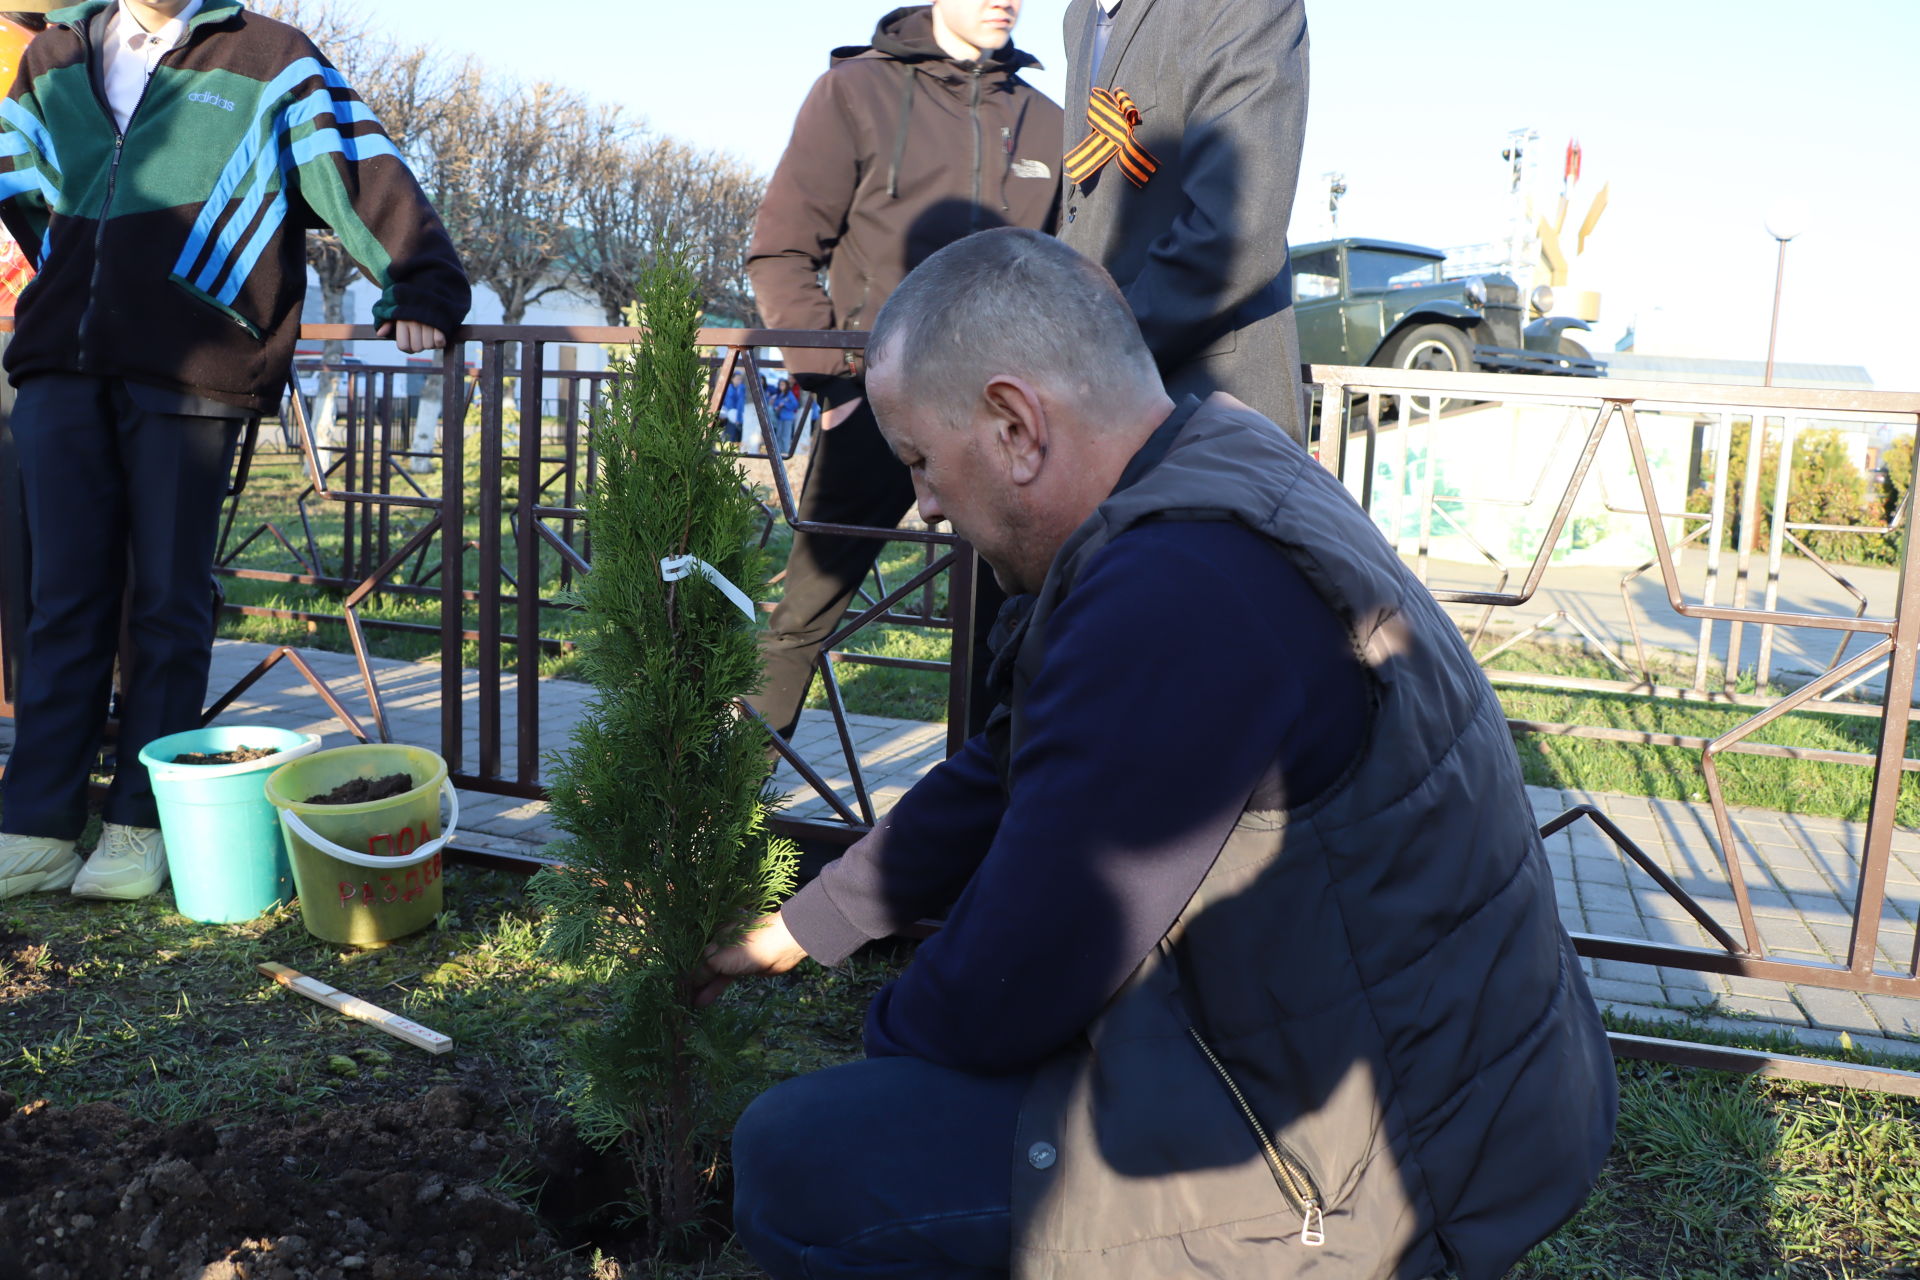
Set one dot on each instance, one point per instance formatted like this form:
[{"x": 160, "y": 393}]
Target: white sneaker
[
  {"x": 130, "y": 863},
  {"x": 35, "y": 864}
]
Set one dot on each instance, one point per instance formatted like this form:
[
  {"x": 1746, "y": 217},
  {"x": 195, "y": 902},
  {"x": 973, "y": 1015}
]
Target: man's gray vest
[{"x": 1381, "y": 973}]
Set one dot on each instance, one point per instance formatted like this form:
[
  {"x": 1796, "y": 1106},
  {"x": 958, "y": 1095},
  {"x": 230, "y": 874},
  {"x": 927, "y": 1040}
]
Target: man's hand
[
  {"x": 411, "y": 336},
  {"x": 831, "y": 418},
  {"x": 766, "y": 948}
]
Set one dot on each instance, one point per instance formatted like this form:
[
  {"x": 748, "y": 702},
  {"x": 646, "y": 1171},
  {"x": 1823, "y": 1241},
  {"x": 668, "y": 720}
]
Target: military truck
[{"x": 1387, "y": 304}]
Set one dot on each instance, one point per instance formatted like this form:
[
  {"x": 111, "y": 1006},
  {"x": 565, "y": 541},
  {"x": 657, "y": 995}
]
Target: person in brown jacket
[{"x": 905, "y": 145}]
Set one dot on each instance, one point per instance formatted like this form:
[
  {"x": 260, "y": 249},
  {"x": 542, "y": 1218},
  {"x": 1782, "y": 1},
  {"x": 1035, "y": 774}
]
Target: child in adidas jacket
[{"x": 160, "y": 164}]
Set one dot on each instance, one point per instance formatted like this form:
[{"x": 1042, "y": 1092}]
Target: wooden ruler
[{"x": 359, "y": 1010}]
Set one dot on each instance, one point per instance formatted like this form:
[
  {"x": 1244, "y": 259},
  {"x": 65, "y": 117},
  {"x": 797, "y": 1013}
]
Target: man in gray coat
[
  {"x": 1184, "y": 126},
  {"x": 1251, "y": 965}
]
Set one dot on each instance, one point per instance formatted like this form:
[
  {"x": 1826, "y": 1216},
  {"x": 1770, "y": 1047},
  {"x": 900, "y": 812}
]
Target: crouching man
[{"x": 1251, "y": 964}]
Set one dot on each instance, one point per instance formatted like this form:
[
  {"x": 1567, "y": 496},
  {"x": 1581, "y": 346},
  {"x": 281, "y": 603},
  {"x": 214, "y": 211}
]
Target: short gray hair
[{"x": 1012, "y": 301}]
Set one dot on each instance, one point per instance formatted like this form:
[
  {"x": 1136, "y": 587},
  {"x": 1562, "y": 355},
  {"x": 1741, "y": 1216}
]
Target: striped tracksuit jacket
[{"x": 175, "y": 254}]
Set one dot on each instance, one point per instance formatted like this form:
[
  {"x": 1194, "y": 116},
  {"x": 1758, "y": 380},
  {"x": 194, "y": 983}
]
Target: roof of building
[{"x": 1741, "y": 373}]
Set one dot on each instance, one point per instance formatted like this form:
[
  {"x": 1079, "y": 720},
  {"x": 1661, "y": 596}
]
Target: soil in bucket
[
  {"x": 238, "y": 755},
  {"x": 225, "y": 852},
  {"x": 366, "y": 790},
  {"x": 368, "y": 872}
]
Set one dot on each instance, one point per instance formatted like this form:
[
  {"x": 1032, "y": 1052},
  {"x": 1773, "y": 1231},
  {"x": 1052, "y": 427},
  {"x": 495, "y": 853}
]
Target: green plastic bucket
[
  {"x": 224, "y": 850},
  {"x": 367, "y": 873}
]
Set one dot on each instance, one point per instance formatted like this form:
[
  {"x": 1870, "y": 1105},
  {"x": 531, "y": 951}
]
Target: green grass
[
  {"x": 272, "y": 495},
  {"x": 274, "y": 488},
  {"x": 134, "y": 1004},
  {"x": 167, "y": 1017},
  {"x": 1712, "y": 1175},
  {"x": 1723, "y": 1177},
  {"x": 1580, "y": 764},
  {"x": 1673, "y": 773}
]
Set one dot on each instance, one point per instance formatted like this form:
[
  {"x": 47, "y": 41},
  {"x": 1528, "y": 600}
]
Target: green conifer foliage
[{"x": 664, "y": 795}]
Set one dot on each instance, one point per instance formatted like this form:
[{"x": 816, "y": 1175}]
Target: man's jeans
[{"x": 886, "y": 1167}]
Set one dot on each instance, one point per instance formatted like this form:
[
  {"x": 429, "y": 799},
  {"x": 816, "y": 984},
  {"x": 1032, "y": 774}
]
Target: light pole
[{"x": 1784, "y": 222}]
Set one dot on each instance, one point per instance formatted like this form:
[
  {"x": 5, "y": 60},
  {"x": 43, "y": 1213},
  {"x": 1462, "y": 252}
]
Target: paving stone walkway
[
  {"x": 1802, "y": 872},
  {"x": 1801, "y": 876},
  {"x": 893, "y": 753}
]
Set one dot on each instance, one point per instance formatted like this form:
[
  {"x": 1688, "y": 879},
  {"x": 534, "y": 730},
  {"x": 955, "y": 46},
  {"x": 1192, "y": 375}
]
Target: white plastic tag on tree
[{"x": 674, "y": 568}]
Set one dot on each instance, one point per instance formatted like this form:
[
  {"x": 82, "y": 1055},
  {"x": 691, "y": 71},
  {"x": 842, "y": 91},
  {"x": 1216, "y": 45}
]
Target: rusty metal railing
[
  {"x": 519, "y": 507},
  {"x": 1355, "y": 406},
  {"x": 507, "y": 517}
]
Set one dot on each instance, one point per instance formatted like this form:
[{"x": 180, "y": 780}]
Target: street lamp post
[{"x": 1783, "y": 224}]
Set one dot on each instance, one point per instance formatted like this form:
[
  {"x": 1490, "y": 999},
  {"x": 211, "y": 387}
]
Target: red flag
[
  {"x": 14, "y": 270},
  {"x": 1573, "y": 162}
]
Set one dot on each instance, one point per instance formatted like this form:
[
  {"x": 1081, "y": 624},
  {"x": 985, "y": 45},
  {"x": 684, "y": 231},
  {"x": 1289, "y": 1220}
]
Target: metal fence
[
  {"x": 504, "y": 505},
  {"x": 1365, "y": 411},
  {"x": 518, "y": 508}
]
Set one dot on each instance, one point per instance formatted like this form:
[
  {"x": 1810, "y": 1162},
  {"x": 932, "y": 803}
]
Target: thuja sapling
[{"x": 664, "y": 795}]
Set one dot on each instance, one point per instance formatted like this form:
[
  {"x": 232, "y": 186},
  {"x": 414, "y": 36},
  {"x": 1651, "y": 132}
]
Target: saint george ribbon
[{"x": 1113, "y": 117}]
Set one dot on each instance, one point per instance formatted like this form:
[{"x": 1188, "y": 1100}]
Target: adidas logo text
[{"x": 212, "y": 100}]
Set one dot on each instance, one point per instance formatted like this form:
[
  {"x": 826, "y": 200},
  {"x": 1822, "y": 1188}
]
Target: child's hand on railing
[{"x": 411, "y": 336}]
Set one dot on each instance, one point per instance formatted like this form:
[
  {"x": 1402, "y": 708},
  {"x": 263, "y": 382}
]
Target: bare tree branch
[
  {"x": 654, "y": 194},
  {"x": 541, "y": 190},
  {"x": 512, "y": 164}
]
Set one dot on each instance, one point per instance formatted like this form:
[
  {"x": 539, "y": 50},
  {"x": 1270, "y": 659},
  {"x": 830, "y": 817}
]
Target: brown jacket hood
[
  {"x": 906, "y": 35},
  {"x": 898, "y": 151}
]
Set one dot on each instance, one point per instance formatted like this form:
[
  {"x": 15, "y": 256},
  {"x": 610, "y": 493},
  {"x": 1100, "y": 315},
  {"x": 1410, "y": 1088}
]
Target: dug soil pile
[
  {"x": 398, "y": 1191},
  {"x": 362, "y": 790}
]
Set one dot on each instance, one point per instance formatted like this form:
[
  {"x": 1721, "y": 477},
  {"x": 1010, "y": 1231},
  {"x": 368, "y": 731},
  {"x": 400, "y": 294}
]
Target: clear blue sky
[{"x": 1701, "y": 114}]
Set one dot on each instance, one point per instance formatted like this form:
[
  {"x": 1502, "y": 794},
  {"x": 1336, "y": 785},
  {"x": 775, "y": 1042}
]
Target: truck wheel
[
  {"x": 1568, "y": 347},
  {"x": 1431, "y": 348}
]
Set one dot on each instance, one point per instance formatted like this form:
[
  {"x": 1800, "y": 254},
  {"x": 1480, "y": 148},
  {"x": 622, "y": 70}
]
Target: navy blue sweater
[{"x": 1190, "y": 660}]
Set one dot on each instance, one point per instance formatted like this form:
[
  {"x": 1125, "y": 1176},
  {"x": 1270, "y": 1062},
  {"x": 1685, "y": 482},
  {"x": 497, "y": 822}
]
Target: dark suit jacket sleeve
[
  {"x": 801, "y": 219},
  {"x": 1246, "y": 118}
]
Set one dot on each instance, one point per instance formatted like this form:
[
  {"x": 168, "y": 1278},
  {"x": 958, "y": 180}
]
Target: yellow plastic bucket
[{"x": 366, "y": 873}]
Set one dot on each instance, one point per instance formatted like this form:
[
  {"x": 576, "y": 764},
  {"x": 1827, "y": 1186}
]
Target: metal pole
[
  {"x": 453, "y": 550},
  {"x": 493, "y": 408},
  {"x": 1776, "y": 548},
  {"x": 1716, "y": 533},
  {"x": 1773, "y": 330},
  {"x": 962, "y": 601},
  {"x": 1743, "y": 559},
  {"x": 1896, "y": 714},
  {"x": 526, "y": 593}
]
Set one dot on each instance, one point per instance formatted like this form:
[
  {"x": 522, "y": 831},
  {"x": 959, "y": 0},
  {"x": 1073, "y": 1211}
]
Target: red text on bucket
[
  {"x": 393, "y": 888},
  {"x": 398, "y": 844}
]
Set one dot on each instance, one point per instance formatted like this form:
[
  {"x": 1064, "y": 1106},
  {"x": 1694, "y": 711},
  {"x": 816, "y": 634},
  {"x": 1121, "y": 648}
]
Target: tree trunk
[
  {"x": 513, "y": 307},
  {"x": 327, "y": 434},
  {"x": 426, "y": 424}
]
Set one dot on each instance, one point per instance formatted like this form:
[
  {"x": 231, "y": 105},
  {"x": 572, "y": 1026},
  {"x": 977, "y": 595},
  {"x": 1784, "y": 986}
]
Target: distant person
[
  {"x": 785, "y": 404},
  {"x": 903, "y": 146},
  {"x": 733, "y": 406},
  {"x": 1184, "y": 125},
  {"x": 165, "y": 158}
]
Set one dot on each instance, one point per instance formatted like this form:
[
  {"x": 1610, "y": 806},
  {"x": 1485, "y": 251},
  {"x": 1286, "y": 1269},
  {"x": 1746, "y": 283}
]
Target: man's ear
[{"x": 1019, "y": 425}]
